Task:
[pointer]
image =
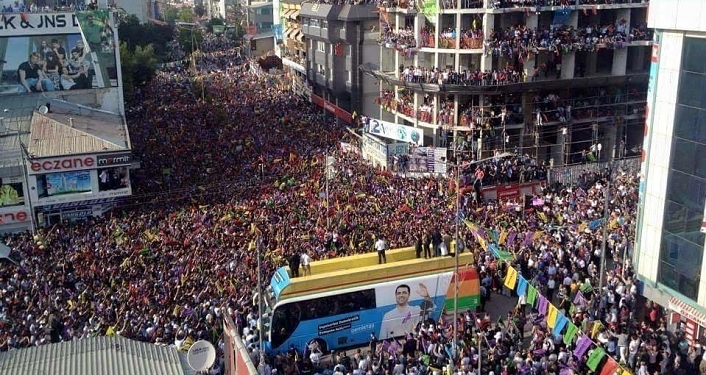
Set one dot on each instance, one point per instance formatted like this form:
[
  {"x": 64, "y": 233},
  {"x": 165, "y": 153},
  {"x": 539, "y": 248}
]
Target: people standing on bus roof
[
  {"x": 294, "y": 261},
  {"x": 380, "y": 247},
  {"x": 305, "y": 261},
  {"x": 403, "y": 318}
]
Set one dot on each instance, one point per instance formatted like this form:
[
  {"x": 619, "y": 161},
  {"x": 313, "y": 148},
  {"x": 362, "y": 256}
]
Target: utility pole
[
  {"x": 605, "y": 233},
  {"x": 259, "y": 295}
]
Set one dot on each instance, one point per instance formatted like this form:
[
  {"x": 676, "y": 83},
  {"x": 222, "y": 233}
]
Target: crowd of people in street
[{"x": 229, "y": 162}]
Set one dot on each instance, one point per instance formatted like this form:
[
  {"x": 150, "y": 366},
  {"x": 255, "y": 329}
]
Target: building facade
[
  {"x": 562, "y": 83},
  {"x": 323, "y": 45},
  {"x": 669, "y": 255},
  {"x": 259, "y": 35},
  {"x": 65, "y": 150}
]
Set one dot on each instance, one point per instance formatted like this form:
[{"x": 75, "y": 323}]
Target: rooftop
[
  {"x": 98, "y": 355},
  {"x": 67, "y": 128}
]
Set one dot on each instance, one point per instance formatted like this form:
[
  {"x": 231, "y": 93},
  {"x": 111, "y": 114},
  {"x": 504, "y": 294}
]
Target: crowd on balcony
[
  {"x": 400, "y": 4},
  {"x": 402, "y": 40},
  {"x": 420, "y": 74},
  {"x": 523, "y": 40},
  {"x": 471, "y": 38}
]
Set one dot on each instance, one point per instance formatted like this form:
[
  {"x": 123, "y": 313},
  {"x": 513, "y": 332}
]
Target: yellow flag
[
  {"x": 614, "y": 223},
  {"x": 625, "y": 372},
  {"x": 537, "y": 235},
  {"x": 511, "y": 278},
  {"x": 483, "y": 244},
  {"x": 110, "y": 331},
  {"x": 543, "y": 216},
  {"x": 583, "y": 227},
  {"x": 71, "y": 304},
  {"x": 502, "y": 238},
  {"x": 594, "y": 331},
  {"x": 551, "y": 316}
]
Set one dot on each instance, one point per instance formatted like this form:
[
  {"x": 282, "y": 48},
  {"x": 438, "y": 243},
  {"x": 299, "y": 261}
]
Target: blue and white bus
[{"x": 342, "y": 309}]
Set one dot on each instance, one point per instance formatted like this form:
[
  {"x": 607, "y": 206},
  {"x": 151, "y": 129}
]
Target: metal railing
[{"x": 570, "y": 174}]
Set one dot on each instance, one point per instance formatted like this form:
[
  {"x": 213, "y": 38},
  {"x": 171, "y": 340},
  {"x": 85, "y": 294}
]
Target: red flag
[{"x": 609, "y": 367}]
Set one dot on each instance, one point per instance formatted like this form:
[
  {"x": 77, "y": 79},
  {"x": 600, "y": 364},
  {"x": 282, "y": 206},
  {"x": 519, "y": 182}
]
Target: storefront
[
  {"x": 693, "y": 321},
  {"x": 78, "y": 186}
]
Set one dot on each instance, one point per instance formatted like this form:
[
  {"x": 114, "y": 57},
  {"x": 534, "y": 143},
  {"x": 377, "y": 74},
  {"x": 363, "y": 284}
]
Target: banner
[
  {"x": 430, "y": 10},
  {"x": 99, "y": 38},
  {"x": 219, "y": 29},
  {"x": 394, "y": 131}
]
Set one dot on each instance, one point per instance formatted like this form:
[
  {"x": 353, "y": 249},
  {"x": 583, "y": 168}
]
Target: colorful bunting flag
[
  {"x": 551, "y": 316},
  {"x": 570, "y": 333},
  {"x": 511, "y": 278},
  {"x": 531, "y": 295},
  {"x": 610, "y": 366},
  {"x": 582, "y": 346},
  {"x": 594, "y": 359},
  {"x": 543, "y": 304},
  {"x": 521, "y": 286},
  {"x": 561, "y": 322}
]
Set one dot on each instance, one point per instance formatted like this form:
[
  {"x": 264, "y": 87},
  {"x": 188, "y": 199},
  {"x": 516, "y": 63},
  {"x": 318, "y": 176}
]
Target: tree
[
  {"x": 171, "y": 14},
  {"x": 186, "y": 15},
  {"x": 190, "y": 38},
  {"x": 200, "y": 10},
  {"x": 138, "y": 67},
  {"x": 135, "y": 34}
]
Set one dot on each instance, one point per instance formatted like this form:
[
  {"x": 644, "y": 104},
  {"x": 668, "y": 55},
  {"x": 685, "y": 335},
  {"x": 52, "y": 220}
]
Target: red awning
[{"x": 684, "y": 309}]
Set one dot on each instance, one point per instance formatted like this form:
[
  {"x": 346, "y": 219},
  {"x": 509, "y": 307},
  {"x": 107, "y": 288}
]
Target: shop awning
[
  {"x": 294, "y": 14},
  {"x": 288, "y": 32},
  {"x": 684, "y": 309},
  {"x": 288, "y": 12},
  {"x": 299, "y": 36}
]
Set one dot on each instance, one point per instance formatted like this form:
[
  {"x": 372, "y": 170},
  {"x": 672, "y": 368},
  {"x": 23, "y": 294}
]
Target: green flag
[
  {"x": 595, "y": 358},
  {"x": 531, "y": 295},
  {"x": 429, "y": 9},
  {"x": 571, "y": 331}
]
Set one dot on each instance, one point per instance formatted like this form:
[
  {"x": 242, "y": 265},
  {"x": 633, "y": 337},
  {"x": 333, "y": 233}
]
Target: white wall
[{"x": 677, "y": 15}]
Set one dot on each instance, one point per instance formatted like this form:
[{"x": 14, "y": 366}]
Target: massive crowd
[{"x": 227, "y": 157}]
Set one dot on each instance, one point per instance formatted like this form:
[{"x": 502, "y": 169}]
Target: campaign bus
[{"x": 342, "y": 308}]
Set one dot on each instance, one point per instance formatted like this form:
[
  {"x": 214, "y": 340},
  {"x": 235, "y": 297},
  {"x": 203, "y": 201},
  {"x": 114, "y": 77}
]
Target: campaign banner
[
  {"x": 394, "y": 131},
  {"x": 51, "y": 52},
  {"x": 374, "y": 150},
  {"x": 17, "y": 24},
  {"x": 426, "y": 160}
]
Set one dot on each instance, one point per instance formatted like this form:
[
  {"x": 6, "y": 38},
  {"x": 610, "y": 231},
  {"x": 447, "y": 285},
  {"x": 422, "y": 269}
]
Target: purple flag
[
  {"x": 511, "y": 238},
  {"x": 528, "y": 239},
  {"x": 538, "y": 202},
  {"x": 579, "y": 299},
  {"x": 566, "y": 371},
  {"x": 543, "y": 305},
  {"x": 481, "y": 232},
  {"x": 582, "y": 346}
]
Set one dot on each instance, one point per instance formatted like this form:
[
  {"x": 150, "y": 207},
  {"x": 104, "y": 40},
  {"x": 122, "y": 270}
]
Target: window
[
  {"x": 286, "y": 318},
  {"x": 264, "y": 11},
  {"x": 324, "y": 24},
  {"x": 11, "y": 192},
  {"x": 682, "y": 246},
  {"x": 349, "y": 77},
  {"x": 315, "y": 22},
  {"x": 321, "y": 46}
]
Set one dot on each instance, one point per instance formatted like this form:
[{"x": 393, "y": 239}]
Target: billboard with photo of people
[{"x": 50, "y": 52}]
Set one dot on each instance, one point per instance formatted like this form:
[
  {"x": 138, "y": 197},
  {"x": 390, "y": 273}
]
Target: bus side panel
[
  {"x": 392, "y": 317},
  {"x": 468, "y": 291}
]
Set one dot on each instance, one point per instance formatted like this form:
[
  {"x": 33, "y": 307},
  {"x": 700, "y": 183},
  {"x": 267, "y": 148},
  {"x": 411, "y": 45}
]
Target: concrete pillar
[
  {"x": 530, "y": 62},
  {"x": 486, "y": 60},
  {"x": 609, "y": 141},
  {"x": 419, "y": 22},
  {"x": 568, "y": 65},
  {"x": 591, "y": 63},
  {"x": 620, "y": 56},
  {"x": 458, "y": 32},
  {"x": 638, "y": 60}
]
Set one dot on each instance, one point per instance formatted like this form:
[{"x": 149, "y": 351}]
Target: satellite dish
[
  {"x": 201, "y": 355},
  {"x": 44, "y": 110}
]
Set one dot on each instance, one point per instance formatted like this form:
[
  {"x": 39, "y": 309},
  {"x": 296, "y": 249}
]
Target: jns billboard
[{"x": 57, "y": 52}]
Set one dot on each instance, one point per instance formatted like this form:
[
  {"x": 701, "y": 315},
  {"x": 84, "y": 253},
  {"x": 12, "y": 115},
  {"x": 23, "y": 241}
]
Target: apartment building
[
  {"x": 669, "y": 248},
  {"x": 325, "y": 44},
  {"x": 561, "y": 81}
]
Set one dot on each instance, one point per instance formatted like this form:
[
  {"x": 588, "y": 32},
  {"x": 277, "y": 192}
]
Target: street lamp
[{"x": 457, "y": 237}]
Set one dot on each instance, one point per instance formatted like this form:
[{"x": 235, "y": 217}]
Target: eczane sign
[{"x": 64, "y": 164}]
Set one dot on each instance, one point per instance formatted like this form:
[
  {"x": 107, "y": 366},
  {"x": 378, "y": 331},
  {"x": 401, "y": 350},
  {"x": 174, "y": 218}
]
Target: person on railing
[
  {"x": 472, "y": 38},
  {"x": 427, "y": 35}
]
